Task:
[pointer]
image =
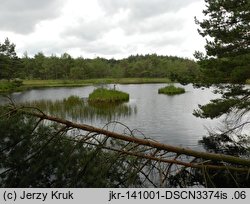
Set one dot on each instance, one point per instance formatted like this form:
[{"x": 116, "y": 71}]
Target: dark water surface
[{"x": 167, "y": 119}]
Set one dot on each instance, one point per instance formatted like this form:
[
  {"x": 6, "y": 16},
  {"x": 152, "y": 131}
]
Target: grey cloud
[
  {"x": 146, "y": 24},
  {"x": 101, "y": 49},
  {"x": 162, "y": 41},
  {"x": 140, "y": 9},
  {"x": 147, "y": 16},
  {"x": 163, "y": 24},
  {"x": 88, "y": 31},
  {"x": 21, "y": 16},
  {"x": 98, "y": 47}
]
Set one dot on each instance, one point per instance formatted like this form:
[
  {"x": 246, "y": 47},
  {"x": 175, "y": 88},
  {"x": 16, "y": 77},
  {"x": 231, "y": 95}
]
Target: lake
[{"x": 167, "y": 119}]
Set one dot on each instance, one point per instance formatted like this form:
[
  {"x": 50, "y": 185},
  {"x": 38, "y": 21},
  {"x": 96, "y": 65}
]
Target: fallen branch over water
[{"x": 242, "y": 164}]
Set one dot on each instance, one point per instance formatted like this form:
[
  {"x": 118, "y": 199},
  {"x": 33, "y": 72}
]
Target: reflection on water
[
  {"x": 76, "y": 108},
  {"x": 167, "y": 119}
]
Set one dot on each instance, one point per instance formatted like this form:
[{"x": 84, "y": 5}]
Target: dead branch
[{"x": 178, "y": 150}]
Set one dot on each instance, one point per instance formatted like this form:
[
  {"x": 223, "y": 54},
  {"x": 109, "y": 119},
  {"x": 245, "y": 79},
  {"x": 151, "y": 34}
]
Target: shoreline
[{"x": 37, "y": 84}]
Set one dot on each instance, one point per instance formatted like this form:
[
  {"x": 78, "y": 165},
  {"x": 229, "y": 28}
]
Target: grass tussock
[
  {"x": 171, "y": 90},
  {"x": 102, "y": 95}
]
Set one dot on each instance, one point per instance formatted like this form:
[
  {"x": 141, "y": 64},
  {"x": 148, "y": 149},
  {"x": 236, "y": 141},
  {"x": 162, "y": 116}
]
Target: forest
[{"x": 67, "y": 67}]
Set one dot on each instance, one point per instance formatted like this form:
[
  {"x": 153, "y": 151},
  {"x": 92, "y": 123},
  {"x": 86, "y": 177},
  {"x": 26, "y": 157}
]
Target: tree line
[{"x": 67, "y": 67}]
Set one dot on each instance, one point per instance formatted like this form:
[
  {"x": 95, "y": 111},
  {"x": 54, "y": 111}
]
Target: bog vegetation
[
  {"x": 102, "y": 95},
  {"x": 171, "y": 90},
  {"x": 76, "y": 108}
]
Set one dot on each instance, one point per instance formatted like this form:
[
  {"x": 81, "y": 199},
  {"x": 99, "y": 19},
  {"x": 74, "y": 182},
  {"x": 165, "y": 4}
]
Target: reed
[{"x": 75, "y": 108}]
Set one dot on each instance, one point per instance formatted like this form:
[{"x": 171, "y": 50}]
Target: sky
[{"x": 102, "y": 28}]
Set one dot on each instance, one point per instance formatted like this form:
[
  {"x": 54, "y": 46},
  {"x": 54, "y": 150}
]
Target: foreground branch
[{"x": 146, "y": 142}]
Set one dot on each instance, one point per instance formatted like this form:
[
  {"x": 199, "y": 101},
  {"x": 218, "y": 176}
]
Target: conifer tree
[
  {"x": 8, "y": 59},
  {"x": 226, "y": 63},
  {"x": 226, "y": 28}
]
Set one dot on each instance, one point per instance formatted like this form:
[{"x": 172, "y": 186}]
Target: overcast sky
[{"x": 105, "y": 28}]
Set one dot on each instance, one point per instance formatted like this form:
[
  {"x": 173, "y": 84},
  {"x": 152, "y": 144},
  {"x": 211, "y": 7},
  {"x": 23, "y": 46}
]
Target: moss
[
  {"x": 102, "y": 95},
  {"x": 171, "y": 90}
]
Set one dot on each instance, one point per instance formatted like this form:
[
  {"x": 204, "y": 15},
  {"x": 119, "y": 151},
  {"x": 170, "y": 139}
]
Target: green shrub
[
  {"x": 171, "y": 90},
  {"x": 17, "y": 82},
  {"x": 6, "y": 86}
]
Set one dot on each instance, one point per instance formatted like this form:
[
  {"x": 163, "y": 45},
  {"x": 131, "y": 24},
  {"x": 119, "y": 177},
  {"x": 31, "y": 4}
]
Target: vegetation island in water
[
  {"x": 171, "y": 90},
  {"x": 102, "y": 95}
]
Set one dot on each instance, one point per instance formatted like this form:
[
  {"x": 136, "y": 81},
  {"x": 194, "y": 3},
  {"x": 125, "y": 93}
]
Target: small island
[
  {"x": 102, "y": 95},
  {"x": 171, "y": 90}
]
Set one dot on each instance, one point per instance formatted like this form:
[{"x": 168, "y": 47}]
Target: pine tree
[
  {"x": 226, "y": 28},
  {"x": 8, "y": 59},
  {"x": 226, "y": 63}
]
